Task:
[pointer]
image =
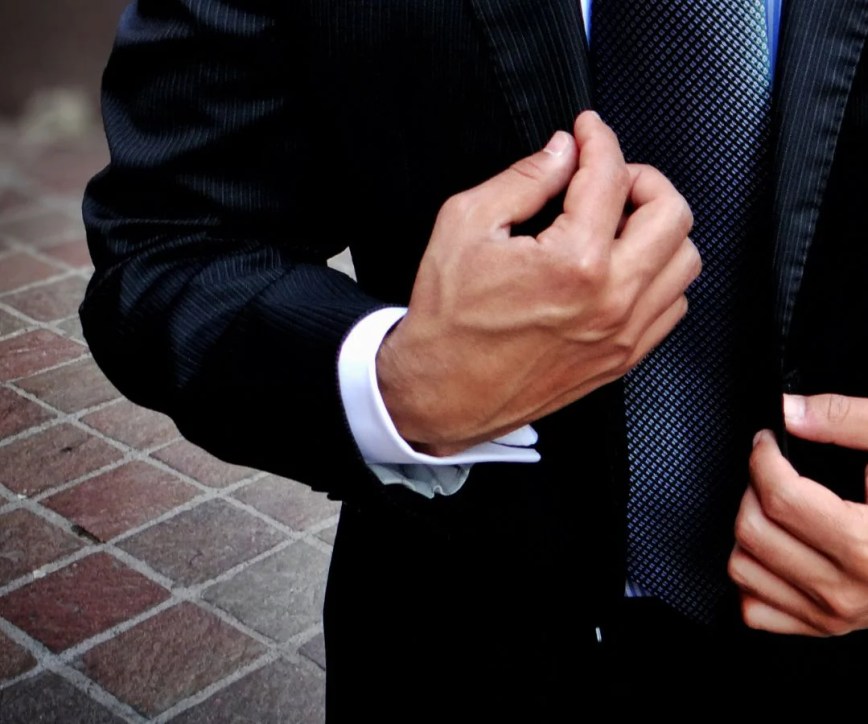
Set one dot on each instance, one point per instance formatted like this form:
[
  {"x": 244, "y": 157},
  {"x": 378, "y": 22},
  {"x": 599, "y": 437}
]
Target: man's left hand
[{"x": 801, "y": 553}]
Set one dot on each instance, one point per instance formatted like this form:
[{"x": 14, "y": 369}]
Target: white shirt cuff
[{"x": 372, "y": 427}]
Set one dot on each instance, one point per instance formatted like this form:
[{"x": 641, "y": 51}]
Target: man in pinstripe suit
[{"x": 253, "y": 140}]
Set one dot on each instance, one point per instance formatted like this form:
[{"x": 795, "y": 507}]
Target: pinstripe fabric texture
[
  {"x": 821, "y": 44},
  {"x": 541, "y": 68},
  {"x": 251, "y": 140}
]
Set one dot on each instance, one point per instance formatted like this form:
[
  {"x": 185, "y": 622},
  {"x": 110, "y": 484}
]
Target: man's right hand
[{"x": 501, "y": 329}]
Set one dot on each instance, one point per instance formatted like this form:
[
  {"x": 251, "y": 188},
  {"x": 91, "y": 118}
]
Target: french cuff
[{"x": 390, "y": 456}]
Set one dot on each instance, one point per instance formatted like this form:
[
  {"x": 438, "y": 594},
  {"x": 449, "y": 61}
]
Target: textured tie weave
[{"x": 685, "y": 84}]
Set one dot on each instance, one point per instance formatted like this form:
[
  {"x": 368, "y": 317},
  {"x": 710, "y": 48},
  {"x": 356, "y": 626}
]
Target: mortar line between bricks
[
  {"x": 61, "y": 276},
  {"x": 216, "y": 686},
  {"x": 32, "y": 322},
  {"x": 33, "y": 325},
  {"x": 33, "y": 505},
  {"x": 93, "y": 690}
]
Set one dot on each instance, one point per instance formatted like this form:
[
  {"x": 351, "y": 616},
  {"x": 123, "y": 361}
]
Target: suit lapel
[
  {"x": 538, "y": 47},
  {"x": 820, "y": 46}
]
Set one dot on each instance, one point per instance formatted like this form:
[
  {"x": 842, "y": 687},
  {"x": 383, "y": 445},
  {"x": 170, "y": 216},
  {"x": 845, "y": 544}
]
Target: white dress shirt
[{"x": 389, "y": 456}]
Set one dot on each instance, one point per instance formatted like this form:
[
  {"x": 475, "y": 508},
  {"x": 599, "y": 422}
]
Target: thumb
[
  {"x": 831, "y": 418},
  {"x": 522, "y": 190}
]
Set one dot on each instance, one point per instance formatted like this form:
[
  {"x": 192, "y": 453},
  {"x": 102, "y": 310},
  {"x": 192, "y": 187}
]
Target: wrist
[{"x": 414, "y": 396}]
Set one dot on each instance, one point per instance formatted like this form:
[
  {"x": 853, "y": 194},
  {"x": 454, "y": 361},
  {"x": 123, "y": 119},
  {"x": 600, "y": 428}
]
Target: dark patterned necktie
[{"x": 686, "y": 86}]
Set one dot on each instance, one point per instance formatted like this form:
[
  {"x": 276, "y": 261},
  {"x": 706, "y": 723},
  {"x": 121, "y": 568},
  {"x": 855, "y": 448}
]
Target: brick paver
[
  {"x": 28, "y": 542},
  {"x": 53, "y": 300},
  {"x": 50, "y": 699},
  {"x": 140, "y": 576},
  {"x": 17, "y": 413},
  {"x": 133, "y": 425},
  {"x": 289, "y": 502},
  {"x": 32, "y": 352},
  {"x": 14, "y": 660},
  {"x": 280, "y": 596},
  {"x": 199, "y": 544},
  {"x": 10, "y": 324},
  {"x": 72, "y": 387},
  {"x": 195, "y": 462},
  {"x": 80, "y": 600},
  {"x": 112, "y": 503},
  {"x": 50, "y": 458},
  {"x": 20, "y": 268},
  {"x": 278, "y": 692},
  {"x": 169, "y": 657}
]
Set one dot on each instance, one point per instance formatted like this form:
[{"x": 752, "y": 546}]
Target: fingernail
[
  {"x": 558, "y": 144},
  {"x": 595, "y": 115},
  {"x": 794, "y": 408},
  {"x": 762, "y": 435}
]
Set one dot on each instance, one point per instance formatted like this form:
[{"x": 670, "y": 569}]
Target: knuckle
[
  {"x": 621, "y": 180},
  {"x": 776, "y": 502},
  {"x": 735, "y": 568},
  {"x": 616, "y": 312},
  {"x": 458, "y": 208},
  {"x": 529, "y": 169},
  {"x": 588, "y": 268},
  {"x": 747, "y": 529},
  {"x": 842, "y": 606},
  {"x": 831, "y": 625},
  {"x": 683, "y": 214},
  {"x": 837, "y": 408}
]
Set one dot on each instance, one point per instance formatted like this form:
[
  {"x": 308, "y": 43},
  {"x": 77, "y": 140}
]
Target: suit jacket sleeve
[{"x": 209, "y": 232}]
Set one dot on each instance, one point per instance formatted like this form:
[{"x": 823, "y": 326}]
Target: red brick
[
  {"x": 32, "y": 352},
  {"x": 18, "y": 413},
  {"x": 19, "y": 269},
  {"x": 135, "y": 426},
  {"x": 52, "y": 457},
  {"x": 47, "y": 302},
  {"x": 214, "y": 535},
  {"x": 72, "y": 387},
  {"x": 121, "y": 499},
  {"x": 199, "y": 465},
  {"x": 289, "y": 502},
  {"x": 14, "y": 660},
  {"x": 79, "y": 601},
  {"x": 28, "y": 542},
  {"x": 279, "y": 692},
  {"x": 74, "y": 253},
  {"x": 42, "y": 226},
  {"x": 169, "y": 657}
]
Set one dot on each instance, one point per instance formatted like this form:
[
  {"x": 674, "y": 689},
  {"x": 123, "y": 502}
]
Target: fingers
[
  {"x": 522, "y": 190},
  {"x": 660, "y": 222},
  {"x": 828, "y": 418},
  {"x": 807, "y": 510},
  {"x": 804, "y": 568},
  {"x": 595, "y": 199}
]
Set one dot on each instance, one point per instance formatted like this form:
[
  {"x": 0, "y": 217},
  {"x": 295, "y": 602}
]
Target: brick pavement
[{"x": 141, "y": 579}]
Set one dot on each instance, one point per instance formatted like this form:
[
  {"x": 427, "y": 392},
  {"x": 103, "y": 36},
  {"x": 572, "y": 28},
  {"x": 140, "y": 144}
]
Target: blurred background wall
[{"x": 52, "y": 53}]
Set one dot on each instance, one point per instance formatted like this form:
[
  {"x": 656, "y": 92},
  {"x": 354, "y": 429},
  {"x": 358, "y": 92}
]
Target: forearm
[{"x": 210, "y": 230}]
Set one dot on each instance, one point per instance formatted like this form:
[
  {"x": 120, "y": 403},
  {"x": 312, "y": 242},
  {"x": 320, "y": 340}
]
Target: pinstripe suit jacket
[{"x": 253, "y": 139}]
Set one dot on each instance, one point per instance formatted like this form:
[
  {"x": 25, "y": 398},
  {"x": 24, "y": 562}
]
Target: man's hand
[
  {"x": 801, "y": 556},
  {"x": 504, "y": 329}
]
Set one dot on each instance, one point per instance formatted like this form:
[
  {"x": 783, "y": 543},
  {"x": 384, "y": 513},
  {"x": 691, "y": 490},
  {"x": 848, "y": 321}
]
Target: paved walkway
[{"x": 141, "y": 579}]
